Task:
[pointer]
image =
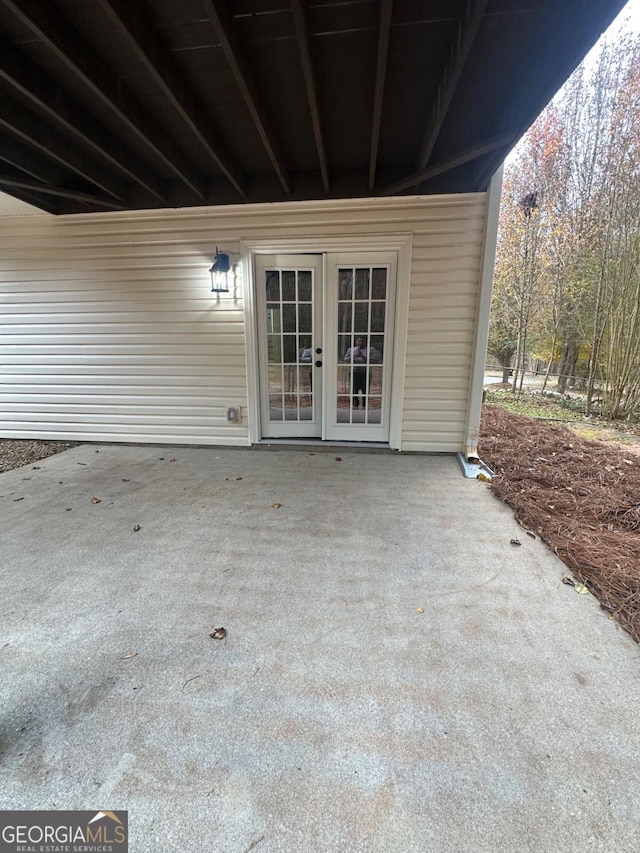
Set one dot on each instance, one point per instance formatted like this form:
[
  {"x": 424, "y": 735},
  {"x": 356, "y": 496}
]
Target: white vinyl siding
[{"x": 109, "y": 331}]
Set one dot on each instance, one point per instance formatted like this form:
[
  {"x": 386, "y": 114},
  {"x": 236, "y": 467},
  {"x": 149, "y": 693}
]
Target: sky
[{"x": 629, "y": 17}]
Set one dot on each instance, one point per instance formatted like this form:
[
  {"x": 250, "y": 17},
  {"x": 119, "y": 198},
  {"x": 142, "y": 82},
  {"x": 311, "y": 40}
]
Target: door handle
[{"x": 318, "y": 364}]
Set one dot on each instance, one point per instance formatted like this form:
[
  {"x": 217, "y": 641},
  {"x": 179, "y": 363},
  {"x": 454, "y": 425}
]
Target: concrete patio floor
[{"x": 334, "y": 716}]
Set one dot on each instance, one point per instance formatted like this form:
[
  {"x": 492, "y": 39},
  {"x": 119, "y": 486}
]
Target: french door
[{"x": 325, "y": 344}]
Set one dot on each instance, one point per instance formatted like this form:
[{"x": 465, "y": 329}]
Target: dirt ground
[
  {"x": 582, "y": 497},
  {"x": 17, "y": 452}
]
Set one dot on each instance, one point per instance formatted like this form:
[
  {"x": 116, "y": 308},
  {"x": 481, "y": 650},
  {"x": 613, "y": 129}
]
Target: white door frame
[{"x": 401, "y": 243}]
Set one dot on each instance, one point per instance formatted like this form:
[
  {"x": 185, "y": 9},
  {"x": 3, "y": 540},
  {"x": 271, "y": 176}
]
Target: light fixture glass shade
[{"x": 219, "y": 273}]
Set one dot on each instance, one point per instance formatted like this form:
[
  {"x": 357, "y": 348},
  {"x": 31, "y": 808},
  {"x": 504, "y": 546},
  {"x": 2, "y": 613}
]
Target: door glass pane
[
  {"x": 274, "y": 321},
  {"x": 345, "y": 284},
  {"x": 361, "y": 320},
  {"x": 274, "y": 349},
  {"x": 290, "y": 349},
  {"x": 345, "y": 319},
  {"x": 288, "y": 286},
  {"x": 377, "y": 344},
  {"x": 377, "y": 316},
  {"x": 304, "y": 286},
  {"x": 273, "y": 286},
  {"x": 288, "y": 318},
  {"x": 379, "y": 283},
  {"x": 362, "y": 284},
  {"x": 304, "y": 319}
]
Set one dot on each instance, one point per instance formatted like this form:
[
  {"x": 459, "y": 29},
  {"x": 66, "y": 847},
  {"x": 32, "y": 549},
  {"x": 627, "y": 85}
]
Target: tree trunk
[{"x": 567, "y": 365}]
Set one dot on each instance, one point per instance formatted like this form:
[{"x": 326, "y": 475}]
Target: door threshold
[{"x": 319, "y": 444}]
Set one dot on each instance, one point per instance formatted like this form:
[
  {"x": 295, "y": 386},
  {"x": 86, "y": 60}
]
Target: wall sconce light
[{"x": 219, "y": 273}]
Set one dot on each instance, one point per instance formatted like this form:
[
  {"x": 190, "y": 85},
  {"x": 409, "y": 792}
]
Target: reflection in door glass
[
  {"x": 289, "y": 319},
  {"x": 304, "y": 286},
  {"x": 361, "y": 344},
  {"x": 345, "y": 284},
  {"x": 273, "y": 285}
]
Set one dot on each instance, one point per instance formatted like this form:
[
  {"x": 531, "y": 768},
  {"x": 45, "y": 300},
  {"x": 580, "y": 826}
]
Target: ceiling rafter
[
  {"x": 131, "y": 22},
  {"x": 450, "y": 163},
  {"x": 44, "y": 203},
  {"x": 57, "y": 147},
  {"x": 68, "y": 45},
  {"x": 8, "y": 179},
  {"x": 29, "y": 162},
  {"x": 465, "y": 36},
  {"x": 222, "y": 23},
  {"x": 304, "y": 42},
  {"x": 20, "y": 73},
  {"x": 384, "y": 35}
]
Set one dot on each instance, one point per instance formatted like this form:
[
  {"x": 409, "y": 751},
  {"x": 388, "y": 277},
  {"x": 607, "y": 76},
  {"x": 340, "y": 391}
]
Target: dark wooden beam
[
  {"x": 384, "y": 34},
  {"x": 48, "y": 204},
  {"x": 449, "y": 164},
  {"x": 49, "y": 26},
  {"x": 58, "y": 105},
  {"x": 32, "y": 130},
  {"x": 28, "y": 161},
  {"x": 467, "y": 31},
  {"x": 222, "y": 23},
  {"x": 14, "y": 181},
  {"x": 304, "y": 43},
  {"x": 131, "y": 21}
]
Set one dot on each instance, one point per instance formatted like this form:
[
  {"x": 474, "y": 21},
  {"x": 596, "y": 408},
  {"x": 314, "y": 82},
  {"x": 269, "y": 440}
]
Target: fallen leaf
[
  {"x": 130, "y": 655},
  {"x": 338, "y": 458},
  {"x": 581, "y": 589},
  {"x": 532, "y": 535},
  {"x": 15, "y": 500},
  {"x": 95, "y": 500},
  {"x": 420, "y": 609},
  {"x": 238, "y": 478},
  {"x": 68, "y": 509},
  {"x": 627, "y": 462},
  {"x": 219, "y": 634},
  {"x": 569, "y": 581},
  {"x": 36, "y": 468},
  {"x": 125, "y": 479},
  {"x": 136, "y": 527},
  {"x": 161, "y": 458},
  {"x": 172, "y": 460},
  {"x": 515, "y": 542},
  {"x": 276, "y": 506}
]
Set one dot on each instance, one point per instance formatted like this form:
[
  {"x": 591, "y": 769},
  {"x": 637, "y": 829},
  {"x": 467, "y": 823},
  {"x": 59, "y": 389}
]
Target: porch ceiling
[{"x": 114, "y": 104}]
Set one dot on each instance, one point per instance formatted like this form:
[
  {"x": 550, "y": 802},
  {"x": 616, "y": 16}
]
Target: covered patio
[{"x": 395, "y": 673}]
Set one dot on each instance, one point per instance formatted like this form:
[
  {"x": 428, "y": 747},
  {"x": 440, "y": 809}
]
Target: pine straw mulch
[{"x": 581, "y": 497}]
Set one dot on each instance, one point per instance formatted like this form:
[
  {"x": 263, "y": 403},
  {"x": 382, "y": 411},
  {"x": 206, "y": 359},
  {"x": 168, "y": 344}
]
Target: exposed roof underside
[{"x": 125, "y": 104}]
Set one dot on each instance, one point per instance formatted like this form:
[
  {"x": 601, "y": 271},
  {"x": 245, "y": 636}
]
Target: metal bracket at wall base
[{"x": 474, "y": 470}]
